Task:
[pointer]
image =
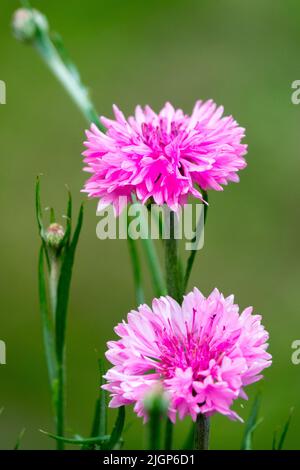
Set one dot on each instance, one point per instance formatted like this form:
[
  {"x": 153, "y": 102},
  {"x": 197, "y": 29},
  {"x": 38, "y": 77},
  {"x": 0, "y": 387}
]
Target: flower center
[
  {"x": 183, "y": 352},
  {"x": 159, "y": 135}
]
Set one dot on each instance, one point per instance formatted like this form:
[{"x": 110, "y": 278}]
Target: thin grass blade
[{"x": 251, "y": 424}]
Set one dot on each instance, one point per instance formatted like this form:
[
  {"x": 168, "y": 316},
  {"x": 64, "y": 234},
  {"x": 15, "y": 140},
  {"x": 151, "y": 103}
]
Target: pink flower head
[
  {"x": 202, "y": 353},
  {"x": 163, "y": 156}
]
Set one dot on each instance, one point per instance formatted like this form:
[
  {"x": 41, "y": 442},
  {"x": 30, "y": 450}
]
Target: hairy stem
[
  {"x": 58, "y": 389},
  {"x": 55, "y": 265},
  {"x": 70, "y": 82},
  {"x": 201, "y": 436}
]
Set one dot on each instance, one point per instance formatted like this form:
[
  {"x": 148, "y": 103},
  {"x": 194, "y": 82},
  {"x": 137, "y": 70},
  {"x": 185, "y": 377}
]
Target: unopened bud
[
  {"x": 54, "y": 236},
  {"x": 27, "y": 22}
]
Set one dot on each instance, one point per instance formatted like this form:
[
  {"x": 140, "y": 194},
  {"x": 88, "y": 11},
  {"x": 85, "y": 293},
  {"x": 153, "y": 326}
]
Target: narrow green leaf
[
  {"x": 285, "y": 431},
  {"x": 64, "y": 288},
  {"x": 38, "y": 210},
  {"x": 188, "y": 444},
  {"x": 68, "y": 220},
  {"x": 274, "y": 441},
  {"x": 157, "y": 278},
  {"x": 77, "y": 440},
  {"x": 19, "y": 440},
  {"x": 251, "y": 424},
  {"x": 117, "y": 430},
  {"x": 47, "y": 321},
  {"x": 192, "y": 256},
  {"x": 99, "y": 427}
]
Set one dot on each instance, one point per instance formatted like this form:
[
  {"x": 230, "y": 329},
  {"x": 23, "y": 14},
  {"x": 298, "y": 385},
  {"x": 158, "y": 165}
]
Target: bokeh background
[{"x": 245, "y": 55}]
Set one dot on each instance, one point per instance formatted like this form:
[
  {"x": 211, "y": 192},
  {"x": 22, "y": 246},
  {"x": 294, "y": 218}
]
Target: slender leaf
[
  {"x": 68, "y": 220},
  {"x": 274, "y": 441},
  {"x": 188, "y": 444},
  {"x": 64, "y": 289},
  {"x": 19, "y": 440},
  {"x": 47, "y": 322},
  {"x": 251, "y": 424},
  {"x": 99, "y": 427},
  {"x": 80, "y": 441},
  {"x": 38, "y": 210},
  {"x": 283, "y": 435},
  {"x": 117, "y": 430},
  {"x": 157, "y": 278}
]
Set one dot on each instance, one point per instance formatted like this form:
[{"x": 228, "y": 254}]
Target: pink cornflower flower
[
  {"x": 162, "y": 157},
  {"x": 202, "y": 354}
]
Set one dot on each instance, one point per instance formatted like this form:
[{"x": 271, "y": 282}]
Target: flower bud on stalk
[
  {"x": 54, "y": 238},
  {"x": 156, "y": 406},
  {"x": 156, "y": 402},
  {"x": 26, "y": 23}
]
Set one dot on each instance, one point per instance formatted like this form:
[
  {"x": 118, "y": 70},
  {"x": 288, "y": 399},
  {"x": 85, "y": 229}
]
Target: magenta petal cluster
[
  {"x": 202, "y": 354},
  {"x": 164, "y": 156}
]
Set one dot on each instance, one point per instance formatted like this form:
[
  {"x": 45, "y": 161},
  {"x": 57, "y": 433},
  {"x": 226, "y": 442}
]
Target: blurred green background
[{"x": 244, "y": 55}]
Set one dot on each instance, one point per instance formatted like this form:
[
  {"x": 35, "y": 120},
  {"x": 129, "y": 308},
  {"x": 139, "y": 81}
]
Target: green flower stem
[
  {"x": 192, "y": 256},
  {"x": 174, "y": 289},
  {"x": 172, "y": 263},
  {"x": 58, "y": 389},
  {"x": 158, "y": 281},
  {"x": 169, "y": 435},
  {"x": 137, "y": 274},
  {"x": 154, "y": 266},
  {"x": 60, "y": 404},
  {"x": 66, "y": 76},
  {"x": 201, "y": 437},
  {"x": 55, "y": 265}
]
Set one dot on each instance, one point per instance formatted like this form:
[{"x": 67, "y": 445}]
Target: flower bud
[
  {"x": 54, "y": 236},
  {"x": 156, "y": 402},
  {"x": 27, "y": 22}
]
